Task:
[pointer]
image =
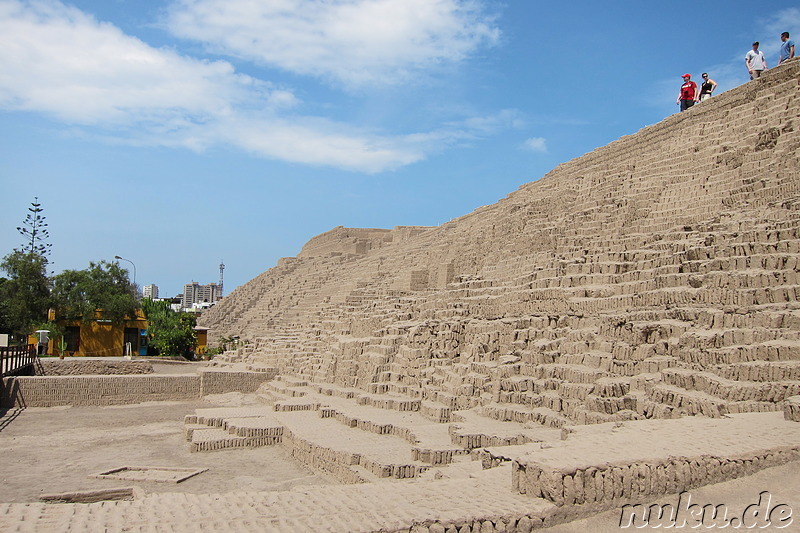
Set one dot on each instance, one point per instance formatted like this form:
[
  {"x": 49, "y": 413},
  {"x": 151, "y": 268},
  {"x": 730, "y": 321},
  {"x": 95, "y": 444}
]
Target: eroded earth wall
[{"x": 653, "y": 277}]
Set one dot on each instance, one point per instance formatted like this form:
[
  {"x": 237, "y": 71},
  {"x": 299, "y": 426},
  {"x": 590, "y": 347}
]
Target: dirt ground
[{"x": 55, "y": 450}]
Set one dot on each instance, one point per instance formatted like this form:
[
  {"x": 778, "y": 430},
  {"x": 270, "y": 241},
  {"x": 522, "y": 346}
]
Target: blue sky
[{"x": 177, "y": 133}]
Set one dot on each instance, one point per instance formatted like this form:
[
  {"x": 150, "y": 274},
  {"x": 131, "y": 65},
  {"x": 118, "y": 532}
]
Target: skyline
[{"x": 177, "y": 134}]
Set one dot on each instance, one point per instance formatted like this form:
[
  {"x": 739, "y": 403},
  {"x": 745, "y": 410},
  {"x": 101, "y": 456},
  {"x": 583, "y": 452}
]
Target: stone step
[
  {"x": 212, "y": 439},
  {"x": 760, "y": 371},
  {"x": 646, "y": 458},
  {"x": 215, "y": 417},
  {"x": 729, "y": 390},
  {"x": 521, "y": 414},
  {"x": 692, "y": 402},
  {"x": 261, "y": 426},
  {"x": 332, "y": 447}
]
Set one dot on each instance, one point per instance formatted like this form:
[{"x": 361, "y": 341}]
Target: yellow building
[
  {"x": 202, "y": 339},
  {"x": 101, "y": 337}
]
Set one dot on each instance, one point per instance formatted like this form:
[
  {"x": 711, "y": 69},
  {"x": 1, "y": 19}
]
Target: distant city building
[
  {"x": 150, "y": 291},
  {"x": 194, "y": 293}
]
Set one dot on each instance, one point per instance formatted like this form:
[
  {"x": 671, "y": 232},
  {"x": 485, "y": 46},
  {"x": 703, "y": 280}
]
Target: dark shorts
[{"x": 686, "y": 104}]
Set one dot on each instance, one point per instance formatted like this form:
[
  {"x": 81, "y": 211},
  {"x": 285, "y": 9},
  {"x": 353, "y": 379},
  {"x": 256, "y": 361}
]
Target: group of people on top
[{"x": 755, "y": 62}]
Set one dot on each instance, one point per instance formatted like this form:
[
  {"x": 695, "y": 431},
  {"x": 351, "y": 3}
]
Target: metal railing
[{"x": 15, "y": 359}]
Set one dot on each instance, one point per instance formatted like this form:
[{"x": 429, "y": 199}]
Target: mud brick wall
[
  {"x": 220, "y": 381},
  {"x": 287, "y": 407},
  {"x": 791, "y": 409},
  {"x": 631, "y": 481},
  {"x": 50, "y": 391},
  {"x": 664, "y": 263},
  {"x": 343, "y": 465},
  {"x": 368, "y": 425},
  {"x": 334, "y": 462},
  {"x": 84, "y": 390},
  {"x": 437, "y": 413},
  {"x": 436, "y": 457},
  {"x": 78, "y": 367},
  {"x": 401, "y": 471},
  {"x": 343, "y": 240},
  {"x": 203, "y": 440}
]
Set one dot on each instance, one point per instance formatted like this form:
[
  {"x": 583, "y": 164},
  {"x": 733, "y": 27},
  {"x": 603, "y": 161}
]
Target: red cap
[{"x": 687, "y": 75}]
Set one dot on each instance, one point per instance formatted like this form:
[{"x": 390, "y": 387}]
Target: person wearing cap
[
  {"x": 787, "y": 48},
  {"x": 755, "y": 61},
  {"x": 707, "y": 87},
  {"x": 688, "y": 94}
]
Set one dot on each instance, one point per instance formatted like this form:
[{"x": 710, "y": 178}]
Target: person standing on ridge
[
  {"x": 755, "y": 61},
  {"x": 688, "y": 94},
  {"x": 707, "y": 87},
  {"x": 787, "y": 48}
]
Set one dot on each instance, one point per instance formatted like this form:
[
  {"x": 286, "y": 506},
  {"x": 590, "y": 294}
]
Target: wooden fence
[{"x": 16, "y": 359}]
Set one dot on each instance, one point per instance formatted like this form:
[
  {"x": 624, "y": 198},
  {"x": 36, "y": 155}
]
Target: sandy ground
[{"x": 56, "y": 449}]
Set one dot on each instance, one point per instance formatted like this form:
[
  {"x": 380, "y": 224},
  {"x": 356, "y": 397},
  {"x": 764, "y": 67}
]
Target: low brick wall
[
  {"x": 611, "y": 483},
  {"x": 83, "y": 367},
  {"x": 791, "y": 409},
  {"x": 222, "y": 381},
  {"x": 99, "y": 390},
  {"x": 51, "y": 391}
]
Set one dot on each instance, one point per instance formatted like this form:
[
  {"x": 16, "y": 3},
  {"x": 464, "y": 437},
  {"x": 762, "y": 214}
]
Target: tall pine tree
[
  {"x": 25, "y": 294},
  {"x": 34, "y": 229}
]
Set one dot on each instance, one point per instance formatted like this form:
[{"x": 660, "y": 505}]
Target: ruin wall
[
  {"x": 653, "y": 277},
  {"x": 101, "y": 390}
]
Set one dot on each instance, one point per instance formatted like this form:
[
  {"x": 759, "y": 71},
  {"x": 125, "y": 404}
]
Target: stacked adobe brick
[{"x": 653, "y": 277}]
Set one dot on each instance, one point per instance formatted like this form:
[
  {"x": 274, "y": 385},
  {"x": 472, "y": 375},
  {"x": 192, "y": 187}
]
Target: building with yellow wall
[{"x": 101, "y": 337}]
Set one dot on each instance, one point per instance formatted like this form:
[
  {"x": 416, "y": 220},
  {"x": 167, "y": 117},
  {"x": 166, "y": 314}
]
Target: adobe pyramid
[{"x": 653, "y": 277}]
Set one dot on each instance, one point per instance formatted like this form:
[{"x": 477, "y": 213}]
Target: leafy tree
[
  {"x": 25, "y": 294},
  {"x": 170, "y": 333},
  {"x": 4, "y": 319},
  {"x": 34, "y": 229},
  {"x": 101, "y": 287}
]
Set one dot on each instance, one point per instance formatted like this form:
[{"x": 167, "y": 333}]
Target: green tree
[
  {"x": 25, "y": 294},
  {"x": 102, "y": 287},
  {"x": 170, "y": 333},
  {"x": 34, "y": 229}
]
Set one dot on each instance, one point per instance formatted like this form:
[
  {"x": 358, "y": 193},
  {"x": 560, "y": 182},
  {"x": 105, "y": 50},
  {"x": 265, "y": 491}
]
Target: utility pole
[
  {"x": 135, "y": 287},
  {"x": 221, "y": 268}
]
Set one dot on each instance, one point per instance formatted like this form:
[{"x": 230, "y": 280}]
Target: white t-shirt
[{"x": 756, "y": 60}]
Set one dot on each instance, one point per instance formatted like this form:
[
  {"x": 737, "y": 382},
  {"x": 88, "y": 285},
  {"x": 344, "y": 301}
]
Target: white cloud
[
  {"x": 784, "y": 20},
  {"x": 321, "y": 144},
  {"x": 463, "y": 132},
  {"x": 536, "y": 144},
  {"x": 58, "y": 60},
  {"x": 490, "y": 124},
  {"x": 356, "y": 42},
  {"x": 63, "y": 63}
]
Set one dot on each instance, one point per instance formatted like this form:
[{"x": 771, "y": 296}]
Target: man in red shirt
[{"x": 688, "y": 94}]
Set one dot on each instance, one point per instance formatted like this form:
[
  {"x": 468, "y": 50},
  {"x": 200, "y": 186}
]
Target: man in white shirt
[{"x": 755, "y": 61}]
